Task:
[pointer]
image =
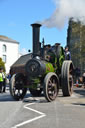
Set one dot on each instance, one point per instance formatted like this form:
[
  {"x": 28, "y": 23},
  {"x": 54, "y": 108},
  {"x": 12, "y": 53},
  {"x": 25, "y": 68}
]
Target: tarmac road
[{"x": 64, "y": 112}]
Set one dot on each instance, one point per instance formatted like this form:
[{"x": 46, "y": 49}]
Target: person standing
[
  {"x": 1, "y": 79},
  {"x": 67, "y": 54},
  {"x": 77, "y": 73},
  {"x": 4, "y": 81},
  {"x": 50, "y": 53},
  {"x": 83, "y": 76}
]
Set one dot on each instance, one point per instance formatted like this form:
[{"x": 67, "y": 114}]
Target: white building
[{"x": 9, "y": 51}]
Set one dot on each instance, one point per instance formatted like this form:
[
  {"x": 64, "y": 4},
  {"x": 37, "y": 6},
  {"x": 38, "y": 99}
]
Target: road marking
[{"x": 33, "y": 119}]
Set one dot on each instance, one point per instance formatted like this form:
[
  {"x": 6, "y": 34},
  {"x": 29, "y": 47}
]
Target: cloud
[
  {"x": 66, "y": 9},
  {"x": 23, "y": 51}
]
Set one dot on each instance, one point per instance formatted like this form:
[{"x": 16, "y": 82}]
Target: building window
[
  {"x": 4, "y": 58},
  {"x": 4, "y": 48}
]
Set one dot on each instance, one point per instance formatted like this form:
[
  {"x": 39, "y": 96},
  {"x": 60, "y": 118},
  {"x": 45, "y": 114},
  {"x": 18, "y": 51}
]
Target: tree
[{"x": 2, "y": 64}]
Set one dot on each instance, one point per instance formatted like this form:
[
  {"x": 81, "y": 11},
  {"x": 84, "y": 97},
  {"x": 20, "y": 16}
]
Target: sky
[{"x": 16, "y": 16}]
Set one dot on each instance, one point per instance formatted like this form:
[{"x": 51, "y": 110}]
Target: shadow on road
[
  {"x": 6, "y": 98},
  {"x": 79, "y": 104},
  {"x": 80, "y": 91},
  {"x": 31, "y": 99}
]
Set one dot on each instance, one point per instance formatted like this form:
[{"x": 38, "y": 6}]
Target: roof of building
[
  {"x": 22, "y": 60},
  {"x": 7, "y": 39}
]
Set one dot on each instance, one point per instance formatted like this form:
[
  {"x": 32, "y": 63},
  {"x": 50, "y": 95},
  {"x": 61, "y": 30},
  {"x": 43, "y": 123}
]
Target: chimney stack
[{"x": 36, "y": 39}]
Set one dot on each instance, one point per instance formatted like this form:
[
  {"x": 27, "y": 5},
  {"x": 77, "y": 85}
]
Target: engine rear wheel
[
  {"x": 17, "y": 89},
  {"x": 67, "y": 78},
  {"x": 51, "y": 86},
  {"x": 35, "y": 92}
]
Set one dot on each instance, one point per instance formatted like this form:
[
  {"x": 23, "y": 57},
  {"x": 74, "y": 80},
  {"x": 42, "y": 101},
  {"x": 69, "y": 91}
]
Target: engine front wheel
[
  {"x": 51, "y": 86},
  {"x": 17, "y": 89}
]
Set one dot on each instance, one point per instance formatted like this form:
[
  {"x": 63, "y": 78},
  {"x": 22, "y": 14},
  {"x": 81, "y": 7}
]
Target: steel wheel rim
[
  {"x": 52, "y": 88},
  {"x": 17, "y": 92}
]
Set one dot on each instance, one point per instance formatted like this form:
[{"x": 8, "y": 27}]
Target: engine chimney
[{"x": 36, "y": 38}]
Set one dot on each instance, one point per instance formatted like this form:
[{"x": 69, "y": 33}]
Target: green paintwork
[
  {"x": 61, "y": 59},
  {"x": 49, "y": 68},
  {"x": 55, "y": 66},
  {"x": 34, "y": 83}
]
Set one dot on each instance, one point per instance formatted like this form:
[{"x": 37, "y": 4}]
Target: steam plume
[{"x": 66, "y": 9}]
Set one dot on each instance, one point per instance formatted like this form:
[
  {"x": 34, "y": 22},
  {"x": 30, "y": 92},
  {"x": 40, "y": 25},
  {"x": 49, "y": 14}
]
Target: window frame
[
  {"x": 4, "y": 58},
  {"x": 4, "y": 48}
]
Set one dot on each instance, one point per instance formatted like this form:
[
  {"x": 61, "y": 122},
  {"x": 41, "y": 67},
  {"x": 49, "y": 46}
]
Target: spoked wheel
[
  {"x": 67, "y": 78},
  {"x": 35, "y": 92},
  {"x": 51, "y": 86},
  {"x": 17, "y": 89}
]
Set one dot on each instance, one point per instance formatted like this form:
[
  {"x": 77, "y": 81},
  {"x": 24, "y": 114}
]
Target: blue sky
[{"x": 17, "y": 15}]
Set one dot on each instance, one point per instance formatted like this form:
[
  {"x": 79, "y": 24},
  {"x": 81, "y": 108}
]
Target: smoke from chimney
[{"x": 66, "y": 9}]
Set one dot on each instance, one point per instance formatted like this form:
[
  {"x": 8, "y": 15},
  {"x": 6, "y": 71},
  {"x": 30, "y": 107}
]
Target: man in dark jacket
[{"x": 67, "y": 54}]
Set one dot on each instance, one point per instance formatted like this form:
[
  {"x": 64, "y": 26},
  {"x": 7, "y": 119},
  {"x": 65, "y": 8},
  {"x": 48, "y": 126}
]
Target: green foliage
[{"x": 2, "y": 64}]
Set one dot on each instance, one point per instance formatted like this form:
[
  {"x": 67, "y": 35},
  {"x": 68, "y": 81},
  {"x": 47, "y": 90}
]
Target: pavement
[{"x": 36, "y": 112}]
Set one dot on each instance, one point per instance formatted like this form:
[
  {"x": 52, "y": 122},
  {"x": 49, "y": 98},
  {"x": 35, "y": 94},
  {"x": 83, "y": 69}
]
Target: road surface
[{"x": 64, "y": 112}]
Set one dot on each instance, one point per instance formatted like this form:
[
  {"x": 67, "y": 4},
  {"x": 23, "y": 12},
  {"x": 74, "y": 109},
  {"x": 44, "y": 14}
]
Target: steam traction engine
[{"x": 44, "y": 70}]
